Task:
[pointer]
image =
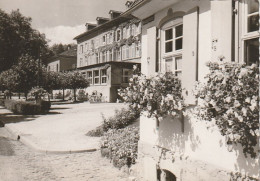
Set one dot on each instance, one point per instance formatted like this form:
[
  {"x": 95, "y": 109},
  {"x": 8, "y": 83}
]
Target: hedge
[{"x": 27, "y": 108}]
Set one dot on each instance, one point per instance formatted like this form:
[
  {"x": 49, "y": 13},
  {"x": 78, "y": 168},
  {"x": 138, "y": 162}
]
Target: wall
[
  {"x": 53, "y": 65},
  {"x": 199, "y": 152},
  {"x": 66, "y": 63}
]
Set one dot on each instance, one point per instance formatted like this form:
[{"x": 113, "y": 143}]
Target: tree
[
  {"x": 18, "y": 38},
  {"x": 27, "y": 71},
  {"x": 75, "y": 80}
]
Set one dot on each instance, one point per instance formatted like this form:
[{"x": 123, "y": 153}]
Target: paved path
[
  {"x": 64, "y": 129},
  {"x": 20, "y": 163}
]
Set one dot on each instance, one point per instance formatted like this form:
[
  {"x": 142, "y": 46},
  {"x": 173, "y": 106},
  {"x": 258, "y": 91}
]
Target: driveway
[{"x": 64, "y": 129}]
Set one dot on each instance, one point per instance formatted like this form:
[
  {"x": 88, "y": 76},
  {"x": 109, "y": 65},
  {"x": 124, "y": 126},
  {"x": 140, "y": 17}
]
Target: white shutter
[
  {"x": 190, "y": 55},
  {"x": 151, "y": 50}
]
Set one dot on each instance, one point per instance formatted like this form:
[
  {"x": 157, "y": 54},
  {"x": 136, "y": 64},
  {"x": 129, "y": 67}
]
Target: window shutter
[
  {"x": 151, "y": 51},
  {"x": 190, "y": 55}
]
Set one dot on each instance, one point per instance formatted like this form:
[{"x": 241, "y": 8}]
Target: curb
[{"x": 28, "y": 143}]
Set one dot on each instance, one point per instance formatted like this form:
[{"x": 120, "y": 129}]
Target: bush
[
  {"x": 230, "y": 98},
  {"x": 160, "y": 95},
  {"x": 2, "y": 102},
  {"x": 121, "y": 146},
  {"x": 98, "y": 132},
  {"x": 27, "y": 108},
  {"x": 81, "y": 96},
  {"x": 121, "y": 119}
]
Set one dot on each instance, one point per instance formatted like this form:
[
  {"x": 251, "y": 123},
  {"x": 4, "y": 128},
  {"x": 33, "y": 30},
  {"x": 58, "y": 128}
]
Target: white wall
[{"x": 53, "y": 65}]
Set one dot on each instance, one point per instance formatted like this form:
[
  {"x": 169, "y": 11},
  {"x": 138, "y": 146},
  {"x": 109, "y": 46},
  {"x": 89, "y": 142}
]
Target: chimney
[
  {"x": 128, "y": 4},
  {"x": 90, "y": 26},
  {"x": 114, "y": 14},
  {"x": 101, "y": 20}
]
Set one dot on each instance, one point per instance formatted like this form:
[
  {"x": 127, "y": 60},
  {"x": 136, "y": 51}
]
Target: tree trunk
[
  {"x": 19, "y": 95},
  {"x": 63, "y": 94},
  {"x": 74, "y": 95},
  {"x": 25, "y": 94}
]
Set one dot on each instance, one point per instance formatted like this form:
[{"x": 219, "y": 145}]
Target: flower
[
  {"x": 236, "y": 103},
  {"x": 228, "y": 99},
  {"x": 248, "y": 100}
]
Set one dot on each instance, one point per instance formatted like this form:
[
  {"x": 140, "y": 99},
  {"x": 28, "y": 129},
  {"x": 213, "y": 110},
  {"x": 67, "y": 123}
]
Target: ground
[
  {"x": 20, "y": 163},
  {"x": 63, "y": 129}
]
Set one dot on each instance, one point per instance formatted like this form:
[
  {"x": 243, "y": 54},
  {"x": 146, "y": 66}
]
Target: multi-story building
[
  {"x": 65, "y": 61},
  {"x": 107, "y": 52},
  {"x": 181, "y": 36}
]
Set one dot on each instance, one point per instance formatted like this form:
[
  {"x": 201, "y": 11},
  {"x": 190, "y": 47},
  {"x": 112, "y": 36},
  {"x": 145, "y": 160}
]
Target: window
[
  {"x": 127, "y": 52},
  {"x": 103, "y": 56},
  {"x": 124, "y": 52},
  {"x": 104, "y": 40},
  {"x": 138, "y": 49},
  {"x": 81, "y": 48},
  {"x": 133, "y": 30},
  {"x": 174, "y": 65},
  {"x": 126, "y": 75},
  {"x": 173, "y": 39},
  {"x": 110, "y": 55},
  {"x": 133, "y": 50},
  {"x": 90, "y": 77},
  {"x": 80, "y": 62},
  {"x": 97, "y": 58},
  {"x": 128, "y": 32},
  {"x": 96, "y": 77},
  {"x": 124, "y": 32},
  {"x": 250, "y": 36},
  {"x": 117, "y": 54},
  {"x": 86, "y": 46},
  {"x": 103, "y": 76},
  {"x": 118, "y": 35}
]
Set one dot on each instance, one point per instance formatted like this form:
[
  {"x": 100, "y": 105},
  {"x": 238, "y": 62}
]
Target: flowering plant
[
  {"x": 121, "y": 145},
  {"x": 159, "y": 95},
  {"x": 230, "y": 97}
]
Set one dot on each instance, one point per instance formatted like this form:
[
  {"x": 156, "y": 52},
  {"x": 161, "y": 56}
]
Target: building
[
  {"x": 107, "y": 52},
  {"x": 181, "y": 36},
  {"x": 65, "y": 61}
]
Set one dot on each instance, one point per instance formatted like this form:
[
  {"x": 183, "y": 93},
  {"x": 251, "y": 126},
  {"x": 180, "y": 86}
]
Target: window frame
[
  {"x": 90, "y": 77},
  {"x": 246, "y": 35},
  {"x": 96, "y": 77},
  {"x": 126, "y": 76},
  {"x": 103, "y": 76}
]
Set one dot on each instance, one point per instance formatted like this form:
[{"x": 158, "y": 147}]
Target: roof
[
  {"x": 72, "y": 52},
  {"x": 119, "y": 19},
  {"x": 132, "y": 5}
]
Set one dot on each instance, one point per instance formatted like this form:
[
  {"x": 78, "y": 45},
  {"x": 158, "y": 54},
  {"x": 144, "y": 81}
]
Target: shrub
[
  {"x": 81, "y": 96},
  {"x": 121, "y": 119},
  {"x": 121, "y": 146},
  {"x": 230, "y": 97},
  {"x": 160, "y": 95},
  {"x": 2, "y": 102},
  {"x": 27, "y": 108},
  {"x": 98, "y": 132}
]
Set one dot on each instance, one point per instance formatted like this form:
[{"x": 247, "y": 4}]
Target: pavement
[{"x": 63, "y": 129}]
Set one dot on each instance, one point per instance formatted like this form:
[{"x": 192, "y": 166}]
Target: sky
[{"x": 62, "y": 20}]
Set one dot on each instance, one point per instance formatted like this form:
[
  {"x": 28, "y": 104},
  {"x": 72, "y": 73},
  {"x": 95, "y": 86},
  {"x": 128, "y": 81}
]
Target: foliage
[
  {"x": 121, "y": 146},
  {"x": 38, "y": 92},
  {"x": 75, "y": 80},
  {"x": 18, "y": 38},
  {"x": 230, "y": 97},
  {"x": 97, "y": 132},
  {"x": 160, "y": 95},
  {"x": 81, "y": 96},
  {"x": 27, "y": 108},
  {"x": 239, "y": 177},
  {"x": 121, "y": 119}
]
